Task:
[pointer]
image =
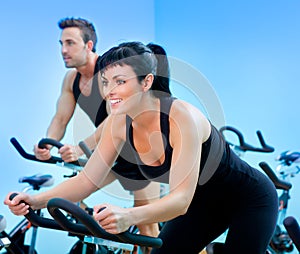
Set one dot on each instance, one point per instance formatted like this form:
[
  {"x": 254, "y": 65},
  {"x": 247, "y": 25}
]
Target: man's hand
[
  {"x": 42, "y": 153},
  {"x": 69, "y": 153}
]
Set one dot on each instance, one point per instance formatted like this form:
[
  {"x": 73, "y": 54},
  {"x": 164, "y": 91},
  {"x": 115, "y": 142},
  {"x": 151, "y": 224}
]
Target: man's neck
[
  {"x": 87, "y": 74},
  {"x": 87, "y": 70}
]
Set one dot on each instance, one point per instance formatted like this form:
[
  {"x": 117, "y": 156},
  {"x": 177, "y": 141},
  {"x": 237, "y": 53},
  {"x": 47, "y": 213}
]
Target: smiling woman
[
  {"x": 170, "y": 141},
  {"x": 188, "y": 147}
]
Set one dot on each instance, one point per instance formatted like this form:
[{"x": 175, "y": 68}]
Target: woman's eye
[
  {"x": 120, "y": 82},
  {"x": 104, "y": 83}
]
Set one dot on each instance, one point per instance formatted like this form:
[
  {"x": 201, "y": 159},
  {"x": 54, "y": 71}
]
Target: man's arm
[
  {"x": 73, "y": 152},
  {"x": 64, "y": 111}
]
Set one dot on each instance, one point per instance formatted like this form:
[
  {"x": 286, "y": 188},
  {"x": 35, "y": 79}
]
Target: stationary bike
[
  {"x": 75, "y": 167},
  {"x": 288, "y": 167},
  {"x": 292, "y": 227},
  {"x": 85, "y": 244},
  {"x": 86, "y": 227},
  {"x": 14, "y": 241}
]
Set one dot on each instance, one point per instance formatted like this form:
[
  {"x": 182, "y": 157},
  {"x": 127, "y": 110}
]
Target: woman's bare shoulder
[
  {"x": 116, "y": 123},
  {"x": 184, "y": 112},
  {"x": 183, "y": 108}
]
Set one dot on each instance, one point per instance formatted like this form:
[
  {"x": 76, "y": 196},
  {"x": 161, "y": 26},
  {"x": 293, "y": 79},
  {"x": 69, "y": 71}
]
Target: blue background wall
[{"x": 247, "y": 53}]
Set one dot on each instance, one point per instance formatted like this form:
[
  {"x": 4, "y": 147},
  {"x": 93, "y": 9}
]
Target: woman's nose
[{"x": 110, "y": 92}]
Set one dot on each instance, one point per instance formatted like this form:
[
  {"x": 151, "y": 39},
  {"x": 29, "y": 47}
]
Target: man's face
[{"x": 73, "y": 48}]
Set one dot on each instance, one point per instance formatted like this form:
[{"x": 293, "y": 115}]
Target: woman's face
[{"x": 121, "y": 88}]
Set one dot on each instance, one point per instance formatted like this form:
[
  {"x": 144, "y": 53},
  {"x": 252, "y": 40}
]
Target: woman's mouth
[{"x": 114, "y": 102}]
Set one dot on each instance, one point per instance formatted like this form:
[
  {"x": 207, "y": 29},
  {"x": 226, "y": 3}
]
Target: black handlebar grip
[
  {"x": 52, "y": 160},
  {"x": 87, "y": 151},
  {"x": 11, "y": 197},
  {"x": 243, "y": 146},
  {"x": 54, "y": 205},
  {"x": 234, "y": 130},
  {"x": 265, "y": 147},
  {"x": 22, "y": 152},
  {"x": 49, "y": 141},
  {"x": 292, "y": 227},
  {"x": 279, "y": 184},
  {"x": 37, "y": 220},
  {"x": 93, "y": 227}
]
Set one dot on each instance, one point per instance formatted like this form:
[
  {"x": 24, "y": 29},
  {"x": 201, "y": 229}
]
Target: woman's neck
[{"x": 147, "y": 112}]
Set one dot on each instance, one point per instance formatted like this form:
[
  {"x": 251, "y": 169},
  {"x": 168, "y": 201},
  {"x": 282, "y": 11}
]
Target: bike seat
[
  {"x": 38, "y": 181},
  {"x": 289, "y": 157}
]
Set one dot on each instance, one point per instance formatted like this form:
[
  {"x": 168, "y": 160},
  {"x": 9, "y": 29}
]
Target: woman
[{"x": 210, "y": 188}]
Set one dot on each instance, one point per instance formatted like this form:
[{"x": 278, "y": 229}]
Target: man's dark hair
[{"x": 87, "y": 29}]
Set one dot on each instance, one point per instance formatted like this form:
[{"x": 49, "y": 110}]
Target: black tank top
[
  {"x": 93, "y": 105},
  {"x": 212, "y": 156}
]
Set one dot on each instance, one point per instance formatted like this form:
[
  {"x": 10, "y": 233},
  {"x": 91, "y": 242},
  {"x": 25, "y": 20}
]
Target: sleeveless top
[
  {"x": 93, "y": 105},
  {"x": 212, "y": 156}
]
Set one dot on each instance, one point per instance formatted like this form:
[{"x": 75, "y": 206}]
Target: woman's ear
[{"x": 148, "y": 81}]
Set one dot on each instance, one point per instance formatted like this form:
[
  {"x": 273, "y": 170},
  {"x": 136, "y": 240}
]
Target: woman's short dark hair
[{"x": 143, "y": 60}]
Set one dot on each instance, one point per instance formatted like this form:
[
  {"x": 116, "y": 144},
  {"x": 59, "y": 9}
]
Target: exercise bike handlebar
[
  {"x": 87, "y": 151},
  {"x": 42, "y": 144},
  {"x": 37, "y": 220},
  {"x": 49, "y": 141},
  {"x": 292, "y": 227},
  {"x": 243, "y": 146},
  {"x": 87, "y": 226},
  {"x": 279, "y": 184}
]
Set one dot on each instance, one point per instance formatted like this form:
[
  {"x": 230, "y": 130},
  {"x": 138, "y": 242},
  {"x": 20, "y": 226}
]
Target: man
[{"x": 78, "y": 41}]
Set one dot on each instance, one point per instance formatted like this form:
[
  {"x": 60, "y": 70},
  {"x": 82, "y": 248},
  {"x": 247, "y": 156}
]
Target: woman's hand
[
  {"x": 20, "y": 204},
  {"x": 112, "y": 219}
]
